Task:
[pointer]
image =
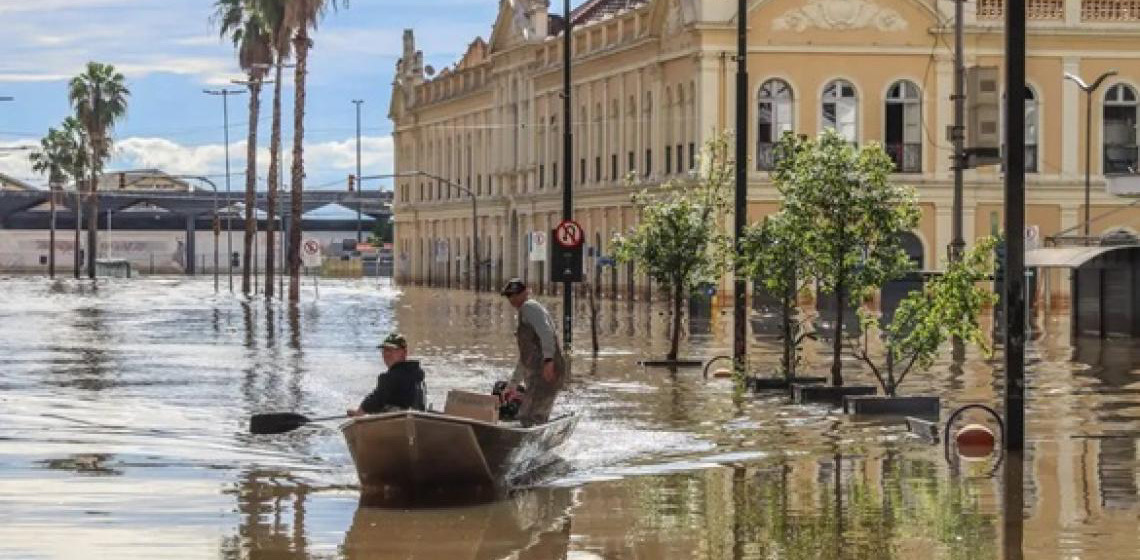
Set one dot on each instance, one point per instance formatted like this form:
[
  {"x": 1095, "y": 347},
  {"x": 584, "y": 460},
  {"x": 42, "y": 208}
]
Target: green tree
[
  {"x": 382, "y": 231},
  {"x": 847, "y": 216},
  {"x": 681, "y": 240},
  {"x": 947, "y": 306},
  {"x": 300, "y": 16},
  {"x": 61, "y": 154},
  {"x": 244, "y": 22},
  {"x": 99, "y": 97},
  {"x": 770, "y": 254},
  {"x": 280, "y": 40}
]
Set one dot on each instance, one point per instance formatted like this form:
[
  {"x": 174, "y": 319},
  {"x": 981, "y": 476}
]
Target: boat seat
[{"x": 474, "y": 406}]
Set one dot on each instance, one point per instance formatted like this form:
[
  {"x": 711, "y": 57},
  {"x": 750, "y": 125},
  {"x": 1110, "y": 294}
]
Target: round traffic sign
[
  {"x": 311, "y": 247},
  {"x": 569, "y": 234}
]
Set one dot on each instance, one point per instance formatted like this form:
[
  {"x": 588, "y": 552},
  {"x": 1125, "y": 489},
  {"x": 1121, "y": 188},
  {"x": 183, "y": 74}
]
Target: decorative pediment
[{"x": 840, "y": 15}]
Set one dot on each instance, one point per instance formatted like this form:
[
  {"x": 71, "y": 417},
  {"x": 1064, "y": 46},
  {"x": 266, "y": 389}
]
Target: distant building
[
  {"x": 154, "y": 180},
  {"x": 654, "y": 79}
]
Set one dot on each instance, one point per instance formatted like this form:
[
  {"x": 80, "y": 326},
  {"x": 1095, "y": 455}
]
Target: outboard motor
[{"x": 510, "y": 402}]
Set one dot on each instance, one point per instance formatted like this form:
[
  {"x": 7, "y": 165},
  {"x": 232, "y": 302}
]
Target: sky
[{"x": 170, "y": 50}]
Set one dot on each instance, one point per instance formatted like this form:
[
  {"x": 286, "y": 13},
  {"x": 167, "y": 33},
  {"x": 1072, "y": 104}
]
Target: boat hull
[{"x": 422, "y": 452}]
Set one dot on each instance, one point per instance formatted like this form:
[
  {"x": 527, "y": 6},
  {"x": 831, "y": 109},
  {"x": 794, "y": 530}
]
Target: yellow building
[{"x": 652, "y": 79}]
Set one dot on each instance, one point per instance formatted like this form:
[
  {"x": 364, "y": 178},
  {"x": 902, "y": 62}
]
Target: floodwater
[{"x": 123, "y": 413}]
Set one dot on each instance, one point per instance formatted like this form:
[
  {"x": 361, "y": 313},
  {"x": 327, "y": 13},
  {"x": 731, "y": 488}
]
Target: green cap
[{"x": 394, "y": 340}]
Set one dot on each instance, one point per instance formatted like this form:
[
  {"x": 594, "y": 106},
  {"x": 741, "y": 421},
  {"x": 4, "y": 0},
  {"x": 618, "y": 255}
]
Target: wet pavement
[{"x": 123, "y": 410}]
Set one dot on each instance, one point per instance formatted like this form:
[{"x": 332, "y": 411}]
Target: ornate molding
[{"x": 840, "y": 15}]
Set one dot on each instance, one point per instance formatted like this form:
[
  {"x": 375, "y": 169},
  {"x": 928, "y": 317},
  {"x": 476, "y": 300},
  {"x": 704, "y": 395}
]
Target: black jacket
[{"x": 399, "y": 388}]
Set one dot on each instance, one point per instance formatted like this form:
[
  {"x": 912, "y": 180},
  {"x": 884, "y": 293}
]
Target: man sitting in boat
[
  {"x": 399, "y": 388},
  {"x": 541, "y": 365}
]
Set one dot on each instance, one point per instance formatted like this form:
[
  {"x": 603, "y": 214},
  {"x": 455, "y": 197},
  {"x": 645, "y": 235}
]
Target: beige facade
[{"x": 653, "y": 79}]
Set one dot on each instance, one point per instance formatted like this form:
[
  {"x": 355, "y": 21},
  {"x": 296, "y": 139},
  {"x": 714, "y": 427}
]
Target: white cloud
[
  {"x": 56, "y": 5},
  {"x": 325, "y": 162},
  {"x": 14, "y": 163}
]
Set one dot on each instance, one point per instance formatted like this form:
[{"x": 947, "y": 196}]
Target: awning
[{"x": 1064, "y": 257}]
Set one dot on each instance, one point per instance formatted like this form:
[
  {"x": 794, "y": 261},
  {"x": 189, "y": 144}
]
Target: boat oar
[{"x": 281, "y": 422}]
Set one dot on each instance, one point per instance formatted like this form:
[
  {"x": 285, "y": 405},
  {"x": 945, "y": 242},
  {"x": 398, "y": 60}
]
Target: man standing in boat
[
  {"x": 541, "y": 363},
  {"x": 399, "y": 388}
]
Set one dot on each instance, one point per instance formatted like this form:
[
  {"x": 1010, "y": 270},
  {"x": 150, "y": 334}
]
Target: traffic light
[{"x": 351, "y": 182}]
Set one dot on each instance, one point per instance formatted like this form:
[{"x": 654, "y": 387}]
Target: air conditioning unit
[{"x": 983, "y": 116}]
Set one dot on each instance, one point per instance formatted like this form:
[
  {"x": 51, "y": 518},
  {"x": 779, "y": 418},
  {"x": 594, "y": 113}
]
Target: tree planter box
[
  {"x": 828, "y": 394},
  {"x": 922, "y": 407},
  {"x": 782, "y": 384},
  {"x": 671, "y": 363}
]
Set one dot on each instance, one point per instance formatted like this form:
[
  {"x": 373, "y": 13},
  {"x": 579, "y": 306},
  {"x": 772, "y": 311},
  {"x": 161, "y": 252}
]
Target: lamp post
[
  {"x": 460, "y": 188},
  {"x": 567, "y": 167},
  {"x": 358, "y": 102},
  {"x": 216, "y": 224},
  {"x": 1088, "y": 89},
  {"x": 225, "y": 93},
  {"x": 739, "y": 304}
]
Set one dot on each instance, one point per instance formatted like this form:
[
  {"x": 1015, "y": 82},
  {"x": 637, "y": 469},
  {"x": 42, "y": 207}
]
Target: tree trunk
[
  {"x": 250, "y": 185},
  {"x": 301, "y": 45},
  {"x": 594, "y": 313},
  {"x": 678, "y": 290},
  {"x": 837, "y": 346},
  {"x": 789, "y": 340},
  {"x": 271, "y": 196},
  {"x": 77, "y": 263},
  {"x": 51, "y": 235},
  {"x": 92, "y": 225}
]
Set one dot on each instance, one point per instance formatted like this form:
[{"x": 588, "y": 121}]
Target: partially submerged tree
[
  {"x": 770, "y": 255},
  {"x": 681, "y": 239},
  {"x": 847, "y": 217},
  {"x": 947, "y": 306},
  {"x": 62, "y": 154}
]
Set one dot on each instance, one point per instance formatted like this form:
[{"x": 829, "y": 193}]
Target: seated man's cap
[
  {"x": 514, "y": 286},
  {"x": 394, "y": 340}
]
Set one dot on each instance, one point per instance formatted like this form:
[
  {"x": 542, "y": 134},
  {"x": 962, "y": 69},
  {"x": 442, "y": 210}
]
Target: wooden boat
[{"x": 419, "y": 453}]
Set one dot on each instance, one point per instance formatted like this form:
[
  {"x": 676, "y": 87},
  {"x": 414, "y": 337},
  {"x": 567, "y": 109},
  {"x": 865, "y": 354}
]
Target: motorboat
[{"x": 416, "y": 454}]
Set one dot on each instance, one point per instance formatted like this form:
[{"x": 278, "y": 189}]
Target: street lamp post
[
  {"x": 460, "y": 188},
  {"x": 740, "y": 285},
  {"x": 358, "y": 102},
  {"x": 215, "y": 224},
  {"x": 1088, "y": 89},
  {"x": 225, "y": 93}
]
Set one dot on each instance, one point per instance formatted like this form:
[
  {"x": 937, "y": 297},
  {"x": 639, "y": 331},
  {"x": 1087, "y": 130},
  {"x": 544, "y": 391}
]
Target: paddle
[{"x": 281, "y": 422}]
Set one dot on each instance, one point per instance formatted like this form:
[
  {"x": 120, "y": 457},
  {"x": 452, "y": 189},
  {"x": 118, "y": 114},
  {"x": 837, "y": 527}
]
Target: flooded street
[{"x": 124, "y": 412}]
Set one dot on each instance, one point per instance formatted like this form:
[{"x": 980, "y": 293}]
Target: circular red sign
[{"x": 569, "y": 234}]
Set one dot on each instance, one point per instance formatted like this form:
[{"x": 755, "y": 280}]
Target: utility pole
[
  {"x": 740, "y": 284},
  {"x": 1015, "y": 225},
  {"x": 567, "y": 170},
  {"x": 359, "y": 187},
  {"x": 957, "y": 243},
  {"x": 226, "y": 93},
  {"x": 1089, "y": 89}
]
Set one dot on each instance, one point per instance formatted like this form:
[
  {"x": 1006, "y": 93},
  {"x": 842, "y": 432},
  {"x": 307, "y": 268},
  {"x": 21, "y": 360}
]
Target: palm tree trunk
[
  {"x": 250, "y": 184},
  {"x": 92, "y": 224},
  {"x": 271, "y": 197},
  {"x": 51, "y": 235},
  {"x": 77, "y": 262},
  {"x": 301, "y": 46}
]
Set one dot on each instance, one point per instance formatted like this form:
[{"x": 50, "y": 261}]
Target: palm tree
[
  {"x": 244, "y": 23},
  {"x": 280, "y": 36},
  {"x": 51, "y": 160},
  {"x": 301, "y": 16},
  {"x": 99, "y": 96}
]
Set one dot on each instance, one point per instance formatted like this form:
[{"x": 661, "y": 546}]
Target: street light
[
  {"x": 358, "y": 102},
  {"x": 213, "y": 186},
  {"x": 225, "y": 93},
  {"x": 460, "y": 188},
  {"x": 1088, "y": 89}
]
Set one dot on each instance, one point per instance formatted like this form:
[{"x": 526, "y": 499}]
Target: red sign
[{"x": 569, "y": 234}]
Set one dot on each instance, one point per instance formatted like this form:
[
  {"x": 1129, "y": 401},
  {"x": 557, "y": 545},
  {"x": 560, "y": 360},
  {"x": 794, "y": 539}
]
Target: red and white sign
[
  {"x": 311, "y": 253},
  {"x": 569, "y": 234}
]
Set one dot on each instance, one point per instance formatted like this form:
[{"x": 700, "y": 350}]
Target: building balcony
[
  {"x": 1110, "y": 10},
  {"x": 1034, "y": 9},
  {"x": 1094, "y": 11}
]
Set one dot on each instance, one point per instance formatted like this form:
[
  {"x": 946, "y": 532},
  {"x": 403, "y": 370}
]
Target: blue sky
[{"x": 169, "y": 51}]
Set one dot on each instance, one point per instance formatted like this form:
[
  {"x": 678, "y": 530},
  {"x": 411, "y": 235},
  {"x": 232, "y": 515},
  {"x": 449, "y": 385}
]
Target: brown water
[{"x": 122, "y": 435}]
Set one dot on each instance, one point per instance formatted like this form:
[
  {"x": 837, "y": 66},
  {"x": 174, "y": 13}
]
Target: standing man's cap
[
  {"x": 394, "y": 340},
  {"x": 514, "y": 286}
]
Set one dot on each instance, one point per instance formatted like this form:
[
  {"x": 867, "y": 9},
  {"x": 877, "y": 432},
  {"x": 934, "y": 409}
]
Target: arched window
[
  {"x": 774, "y": 118},
  {"x": 903, "y": 132},
  {"x": 1030, "y": 130},
  {"x": 1120, "y": 130},
  {"x": 647, "y": 132},
  {"x": 840, "y": 105}
]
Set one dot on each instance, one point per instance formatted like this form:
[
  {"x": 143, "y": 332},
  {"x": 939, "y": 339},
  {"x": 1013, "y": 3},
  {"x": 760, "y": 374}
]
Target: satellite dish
[{"x": 430, "y": 71}]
